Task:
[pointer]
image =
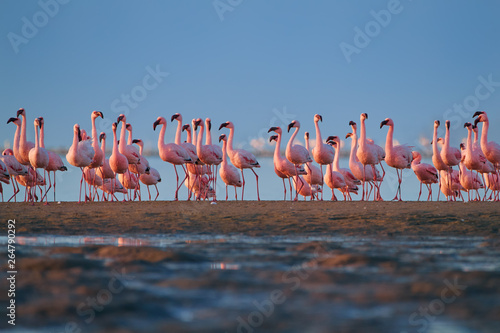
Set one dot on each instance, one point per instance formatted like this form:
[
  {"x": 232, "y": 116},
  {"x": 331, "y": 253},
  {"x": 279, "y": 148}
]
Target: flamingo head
[
  {"x": 41, "y": 122},
  {"x": 114, "y": 126},
  {"x": 122, "y": 117},
  {"x": 436, "y": 123},
  {"x": 333, "y": 138},
  {"x": 462, "y": 146},
  {"x": 468, "y": 125},
  {"x": 275, "y": 129},
  {"x": 273, "y": 138},
  {"x": 475, "y": 129},
  {"x": 447, "y": 124},
  {"x": 138, "y": 142},
  {"x": 208, "y": 123},
  {"x": 96, "y": 114},
  {"x": 176, "y": 116},
  {"x": 415, "y": 155},
  {"x": 306, "y": 135},
  {"x": 481, "y": 116},
  {"x": 332, "y": 143},
  {"x": 21, "y": 112},
  {"x": 353, "y": 125},
  {"x": 76, "y": 130},
  {"x": 8, "y": 151},
  {"x": 294, "y": 123},
  {"x": 198, "y": 122},
  {"x": 159, "y": 120},
  {"x": 363, "y": 116},
  {"x": 186, "y": 127},
  {"x": 102, "y": 136},
  {"x": 440, "y": 140},
  {"x": 16, "y": 121},
  {"x": 387, "y": 122},
  {"x": 222, "y": 137},
  {"x": 227, "y": 124},
  {"x": 349, "y": 135},
  {"x": 128, "y": 127},
  {"x": 317, "y": 118}
]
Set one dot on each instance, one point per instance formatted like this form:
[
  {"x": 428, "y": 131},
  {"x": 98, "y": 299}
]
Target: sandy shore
[{"x": 256, "y": 218}]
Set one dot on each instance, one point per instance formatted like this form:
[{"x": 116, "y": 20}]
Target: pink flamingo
[
  {"x": 297, "y": 155},
  {"x": 451, "y": 156},
  {"x": 277, "y": 171},
  {"x": 209, "y": 154},
  {"x": 453, "y": 178},
  {"x": 39, "y": 158},
  {"x": 398, "y": 157},
  {"x": 22, "y": 153},
  {"x": 490, "y": 149},
  {"x": 151, "y": 178},
  {"x": 98, "y": 153},
  {"x": 322, "y": 153},
  {"x": 335, "y": 180},
  {"x": 171, "y": 152},
  {"x": 359, "y": 171},
  {"x": 228, "y": 173},
  {"x": 315, "y": 175},
  {"x": 367, "y": 154},
  {"x": 436, "y": 154},
  {"x": 104, "y": 172},
  {"x": 426, "y": 174},
  {"x": 130, "y": 152},
  {"x": 117, "y": 161},
  {"x": 305, "y": 189},
  {"x": 80, "y": 155},
  {"x": 55, "y": 161},
  {"x": 241, "y": 158},
  {"x": 350, "y": 180},
  {"x": 189, "y": 145},
  {"x": 492, "y": 181},
  {"x": 4, "y": 176},
  {"x": 14, "y": 169},
  {"x": 469, "y": 181}
]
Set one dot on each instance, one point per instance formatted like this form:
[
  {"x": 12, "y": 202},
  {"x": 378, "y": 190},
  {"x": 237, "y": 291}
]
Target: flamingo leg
[
  {"x": 149, "y": 193},
  {"x": 419, "y": 193},
  {"x": 322, "y": 180},
  {"x": 243, "y": 184},
  {"x": 284, "y": 187},
  {"x": 257, "y": 180},
  {"x": 226, "y": 192}
]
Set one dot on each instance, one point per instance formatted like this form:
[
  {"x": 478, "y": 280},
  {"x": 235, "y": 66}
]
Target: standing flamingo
[
  {"x": 209, "y": 154},
  {"x": 150, "y": 178},
  {"x": 436, "y": 155},
  {"x": 241, "y": 158},
  {"x": 130, "y": 152},
  {"x": 315, "y": 175},
  {"x": 105, "y": 171},
  {"x": 335, "y": 180},
  {"x": 398, "y": 157},
  {"x": 426, "y": 174},
  {"x": 80, "y": 154},
  {"x": 117, "y": 161},
  {"x": 39, "y": 158},
  {"x": 490, "y": 149},
  {"x": 469, "y": 181},
  {"x": 228, "y": 173},
  {"x": 55, "y": 161},
  {"x": 171, "y": 152},
  {"x": 22, "y": 153},
  {"x": 322, "y": 153},
  {"x": 297, "y": 155},
  {"x": 350, "y": 180},
  {"x": 359, "y": 170},
  {"x": 14, "y": 168}
]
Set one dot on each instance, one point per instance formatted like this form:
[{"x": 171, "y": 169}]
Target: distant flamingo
[
  {"x": 4, "y": 176},
  {"x": 426, "y": 174},
  {"x": 105, "y": 171},
  {"x": 171, "y": 152},
  {"x": 367, "y": 154},
  {"x": 55, "y": 161},
  {"x": 296, "y": 154},
  {"x": 22, "y": 154},
  {"x": 228, "y": 173},
  {"x": 241, "y": 158},
  {"x": 39, "y": 158},
  {"x": 451, "y": 156},
  {"x": 398, "y": 157},
  {"x": 306, "y": 190},
  {"x": 450, "y": 178},
  {"x": 98, "y": 153},
  {"x": 490, "y": 149},
  {"x": 322, "y": 153}
]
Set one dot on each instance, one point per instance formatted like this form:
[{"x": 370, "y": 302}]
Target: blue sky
[{"x": 255, "y": 63}]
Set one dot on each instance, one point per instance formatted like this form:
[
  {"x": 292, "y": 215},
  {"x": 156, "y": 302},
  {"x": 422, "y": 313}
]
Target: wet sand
[{"x": 255, "y": 267}]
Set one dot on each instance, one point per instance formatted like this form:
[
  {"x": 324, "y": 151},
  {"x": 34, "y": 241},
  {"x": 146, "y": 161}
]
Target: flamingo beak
[
  {"x": 290, "y": 126},
  {"x": 101, "y": 114},
  {"x": 476, "y": 121},
  {"x": 348, "y": 135},
  {"x": 156, "y": 123},
  {"x": 20, "y": 111},
  {"x": 223, "y": 125},
  {"x": 320, "y": 118},
  {"x": 135, "y": 141},
  {"x": 438, "y": 122},
  {"x": 79, "y": 134},
  {"x": 448, "y": 124},
  {"x": 352, "y": 123},
  {"x": 330, "y": 138},
  {"x": 366, "y": 115},
  {"x": 185, "y": 127},
  {"x": 101, "y": 137},
  {"x": 383, "y": 123},
  {"x": 222, "y": 137},
  {"x": 209, "y": 125},
  {"x": 119, "y": 119},
  {"x": 12, "y": 120},
  {"x": 272, "y": 129},
  {"x": 175, "y": 116},
  {"x": 477, "y": 113}
]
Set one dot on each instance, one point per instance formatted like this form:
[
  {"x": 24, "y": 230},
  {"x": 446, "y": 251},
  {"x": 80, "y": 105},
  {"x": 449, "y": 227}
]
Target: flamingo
[
  {"x": 228, "y": 173},
  {"x": 80, "y": 154},
  {"x": 117, "y": 161},
  {"x": 426, "y": 174},
  {"x": 104, "y": 172},
  {"x": 98, "y": 153},
  {"x": 209, "y": 154},
  {"x": 152, "y": 177},
  {"x": 14, "y": 168},
  {"x": 335, "y": 180},
  {"x": 469, "y": 181},
  {"x": 171, "y": 152},
  {"x": 189, "y": 145},
  {"x": 296, "y": 154},
  {"x": 492, "y": 181},
  {"x": 39, "y": 158},
  {"x": 350, "y": 180},
  {"x": 22, "y": 153},
  {"x": 241, "y": 158},
  {"x": 305, "y": 189},
  {"x": 398, "y": 157},
  {"x": 4, "y": 176},
  {"x": 437, "y": 161},
  {"x": 322, "y": 153},
  {"x": 451, "y": 156},
  {"x": 453, "y": 178},
  {"x": 357, "y": 168},
  {"x": 491, "y": 150},
  {"x": 55, "y": 161},
  {"x": 277, "y": 171},
  {"x": 315, "y": 175},
  {"x": 130, "y": 152},
  {"x": 367, "y": 154}
]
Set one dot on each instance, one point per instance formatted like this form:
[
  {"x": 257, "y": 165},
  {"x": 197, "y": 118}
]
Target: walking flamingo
[
  {"x": 55, "y": 161},
  {"x": 228, "y": 173},
  {"x": 241, "y": 158},
  {"x": 171, "y": 152},
  {"x": 22, "y": 153},
  {"x": 39, "y": 158},
  {"x": 322, "y": 153},
  {"x": 426, "y": 174},
  {"x": 398, "y": 157},
  {"x": 296, "y": 154}
]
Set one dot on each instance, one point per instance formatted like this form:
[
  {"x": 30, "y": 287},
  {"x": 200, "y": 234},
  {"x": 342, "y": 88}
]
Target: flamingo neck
[
  {"x": 290, "y": 142},
  {"x": 230, "y": 142},
  {"x": 23, "y": 131},
  {"x": 484, "y": 134},
  {"x": 354, "y": 143},
  {"x": 475, "y": 138},
  {"x": 37, "y": 145},
  {"x": 388, "y": 141},
  {"x": 362, "y": 133},
  {"x": 208, "y": 137},
  {"x": 42, "y": 137},
  {"x": 122, "y": 136},
  {"x": 16, "y": 138},
  {"x": 161, "y": 137},
  {"x": 336, "y": 166},
  {"x": 141, "y": 147},
  {"x": 178, "y": 132},
  {"x": 75, "y": 140},
  {"x": 307, "y": 144},
  {"x": 277, "y": 152},
  {"x": 469, "y": 140},
  {"x": 189, "y": 137},
  {"x": 195, "y": 137},
  {"x": 129, "y": 140},
  {"x": 94, "y": 134},
  {"x": 435, "y": 150},
  {"x": 224, "y": 152},
  {"x": 200, "y": 138},
  {"x": 115, "y": 143},
  {"x": 319, "y": 141},
  {"x": 447, "y": 138},
  {"x": 103, "y": 148}
]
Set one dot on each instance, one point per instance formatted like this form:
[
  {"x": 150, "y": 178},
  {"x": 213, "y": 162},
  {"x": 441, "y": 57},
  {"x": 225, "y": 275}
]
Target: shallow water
[{"x": 219, "y": 283}]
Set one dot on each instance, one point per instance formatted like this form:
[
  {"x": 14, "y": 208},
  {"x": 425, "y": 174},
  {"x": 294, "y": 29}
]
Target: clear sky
[{"x": 255, "y": 62}]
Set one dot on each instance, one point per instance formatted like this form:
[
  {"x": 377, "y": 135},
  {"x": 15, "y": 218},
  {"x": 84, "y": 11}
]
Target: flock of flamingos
[{"x": 478, "y": 162}]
